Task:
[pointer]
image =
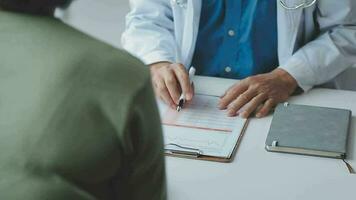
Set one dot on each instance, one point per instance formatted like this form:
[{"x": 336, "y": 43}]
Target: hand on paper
[
  {"x": 169, "y": 81},
  {"x": 258, "y": 94}
]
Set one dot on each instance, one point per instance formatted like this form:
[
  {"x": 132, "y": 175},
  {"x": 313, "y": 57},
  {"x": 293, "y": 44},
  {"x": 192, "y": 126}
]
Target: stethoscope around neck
[{"x": 304, "y": 4}]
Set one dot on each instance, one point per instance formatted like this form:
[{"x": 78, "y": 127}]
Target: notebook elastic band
[{"x": 349, "y": 167}]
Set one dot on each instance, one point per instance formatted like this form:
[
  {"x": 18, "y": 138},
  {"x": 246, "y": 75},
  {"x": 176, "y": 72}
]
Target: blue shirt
[{"x": 237, "y": 38}]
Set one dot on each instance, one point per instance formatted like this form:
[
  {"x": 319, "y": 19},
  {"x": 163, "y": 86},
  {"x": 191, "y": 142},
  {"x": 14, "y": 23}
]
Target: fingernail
[
  {"x": 231, "y": 113},
  {"x": 189, "y": 96},
  {"x": 258, "y": 115},
  {"x": 244, "y": 115},
  {"x": 221, "y": 107}
]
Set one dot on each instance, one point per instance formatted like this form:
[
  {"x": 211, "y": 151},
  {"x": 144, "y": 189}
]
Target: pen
[{"x": 182, "y": 96}]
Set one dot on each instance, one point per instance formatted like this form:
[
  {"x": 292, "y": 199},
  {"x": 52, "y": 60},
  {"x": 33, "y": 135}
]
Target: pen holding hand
[
  {"x": 182, "y": 98},
  {"x": 169, "y": 81}
]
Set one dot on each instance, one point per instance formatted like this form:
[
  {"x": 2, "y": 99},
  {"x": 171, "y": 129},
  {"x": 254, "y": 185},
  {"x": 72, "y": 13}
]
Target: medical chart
[
  {"x": 201, "y": 125},
  {"x": 201, "y": 113}
]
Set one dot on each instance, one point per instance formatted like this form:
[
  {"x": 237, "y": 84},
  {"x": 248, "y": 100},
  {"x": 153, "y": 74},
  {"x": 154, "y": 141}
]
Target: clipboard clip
[{"x": 182, "y": 150}]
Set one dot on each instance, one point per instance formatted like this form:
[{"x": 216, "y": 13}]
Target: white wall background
[{"x": 105, "y": 20}]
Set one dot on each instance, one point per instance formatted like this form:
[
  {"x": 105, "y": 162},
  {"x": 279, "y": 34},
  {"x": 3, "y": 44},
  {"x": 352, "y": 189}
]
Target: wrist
[
  {"x": 159, "y": 65},
  {"x": 288, "y": 79}
]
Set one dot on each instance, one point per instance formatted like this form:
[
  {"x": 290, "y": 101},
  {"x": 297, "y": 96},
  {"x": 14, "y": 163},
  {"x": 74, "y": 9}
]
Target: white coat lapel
[
  {"x": 191, "y": 28},
  {"x": 288, "y": 27}
]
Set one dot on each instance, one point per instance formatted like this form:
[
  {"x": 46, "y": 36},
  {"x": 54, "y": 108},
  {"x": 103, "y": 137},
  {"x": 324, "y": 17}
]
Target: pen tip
[{"x": 179, "y": 108}]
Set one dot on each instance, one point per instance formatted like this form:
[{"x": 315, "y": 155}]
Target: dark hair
[{"x": 33, "y": 6}]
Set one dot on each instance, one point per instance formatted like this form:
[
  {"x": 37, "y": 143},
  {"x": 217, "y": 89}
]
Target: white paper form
[
  {"x": 201, "y": 113},
  {"x": 201, "y": 125}
]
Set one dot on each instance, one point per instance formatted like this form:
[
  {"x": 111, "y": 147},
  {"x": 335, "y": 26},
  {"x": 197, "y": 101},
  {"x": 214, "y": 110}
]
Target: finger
[
  {"x": 162, "y": 92},
  {"x": 266, "y": 108},
  {"x": 240, "y": 101},
  {"x": 158, "y": 85},
  {"x": 252, "y": 105},
  {"x": 183, "y": 79},
  {"x": 172, "y": 85},
  {"x": 231, "y": 95},
  {"x": 168, "y": 101},
  {"x": 193, "y": 91},
  {"x": 230, "y": 88}
]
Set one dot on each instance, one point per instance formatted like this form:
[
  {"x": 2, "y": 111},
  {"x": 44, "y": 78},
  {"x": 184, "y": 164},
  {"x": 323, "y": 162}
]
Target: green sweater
[{"x": 78, "y": 118}]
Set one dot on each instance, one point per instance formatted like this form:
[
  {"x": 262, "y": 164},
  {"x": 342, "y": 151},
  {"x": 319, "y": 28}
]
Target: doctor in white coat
[{"x": 315, "y": 41}]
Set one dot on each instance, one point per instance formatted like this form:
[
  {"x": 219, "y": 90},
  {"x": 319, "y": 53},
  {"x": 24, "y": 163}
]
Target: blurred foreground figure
[{"x": 78, "y": 118}]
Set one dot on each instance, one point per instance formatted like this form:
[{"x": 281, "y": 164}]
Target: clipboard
[{"x": 196, "y": 154}]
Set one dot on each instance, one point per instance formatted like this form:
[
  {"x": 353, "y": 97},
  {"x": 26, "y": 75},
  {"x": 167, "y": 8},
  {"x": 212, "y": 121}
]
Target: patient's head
[{"x": 41, "y": 7}]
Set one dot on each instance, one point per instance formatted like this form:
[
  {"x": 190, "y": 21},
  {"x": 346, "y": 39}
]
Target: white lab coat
[{"x": 315, "y": 44}]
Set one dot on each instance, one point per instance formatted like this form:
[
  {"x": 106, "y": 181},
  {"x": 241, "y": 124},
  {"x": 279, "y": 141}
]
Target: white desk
[{"x": 257, "y": 174}]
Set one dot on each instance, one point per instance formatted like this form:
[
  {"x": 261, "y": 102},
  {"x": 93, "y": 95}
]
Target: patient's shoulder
[
  {"x": 100, "y": 64},
  {"x": 108, "y": 67},
  {"x": 67, "y": 57}
]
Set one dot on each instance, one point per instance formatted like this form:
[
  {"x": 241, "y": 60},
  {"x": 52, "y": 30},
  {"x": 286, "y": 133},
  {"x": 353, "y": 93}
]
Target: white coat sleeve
[
  {"x": 333, "y": 51},
  {"x": 149, "y": 33}
]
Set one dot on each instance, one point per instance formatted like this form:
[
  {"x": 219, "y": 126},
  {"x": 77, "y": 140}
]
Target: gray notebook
[{"x": 309, "y": 130}]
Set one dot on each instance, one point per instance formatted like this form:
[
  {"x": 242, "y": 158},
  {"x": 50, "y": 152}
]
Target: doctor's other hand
[
  {"x": 258, "y": 94},
  {"x": 169, "y": 80}
]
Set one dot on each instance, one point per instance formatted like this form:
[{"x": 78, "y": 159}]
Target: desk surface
[{"x": 258, "y": 174}]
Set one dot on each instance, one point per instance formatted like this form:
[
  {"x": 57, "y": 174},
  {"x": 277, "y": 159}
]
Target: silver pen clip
[{"x": 183, "y": 150}]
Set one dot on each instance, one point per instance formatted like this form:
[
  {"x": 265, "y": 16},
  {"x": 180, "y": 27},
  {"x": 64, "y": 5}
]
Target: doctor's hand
[
  {"x": 169, "y": 81},
  {"x": 258, "y": 94}
]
